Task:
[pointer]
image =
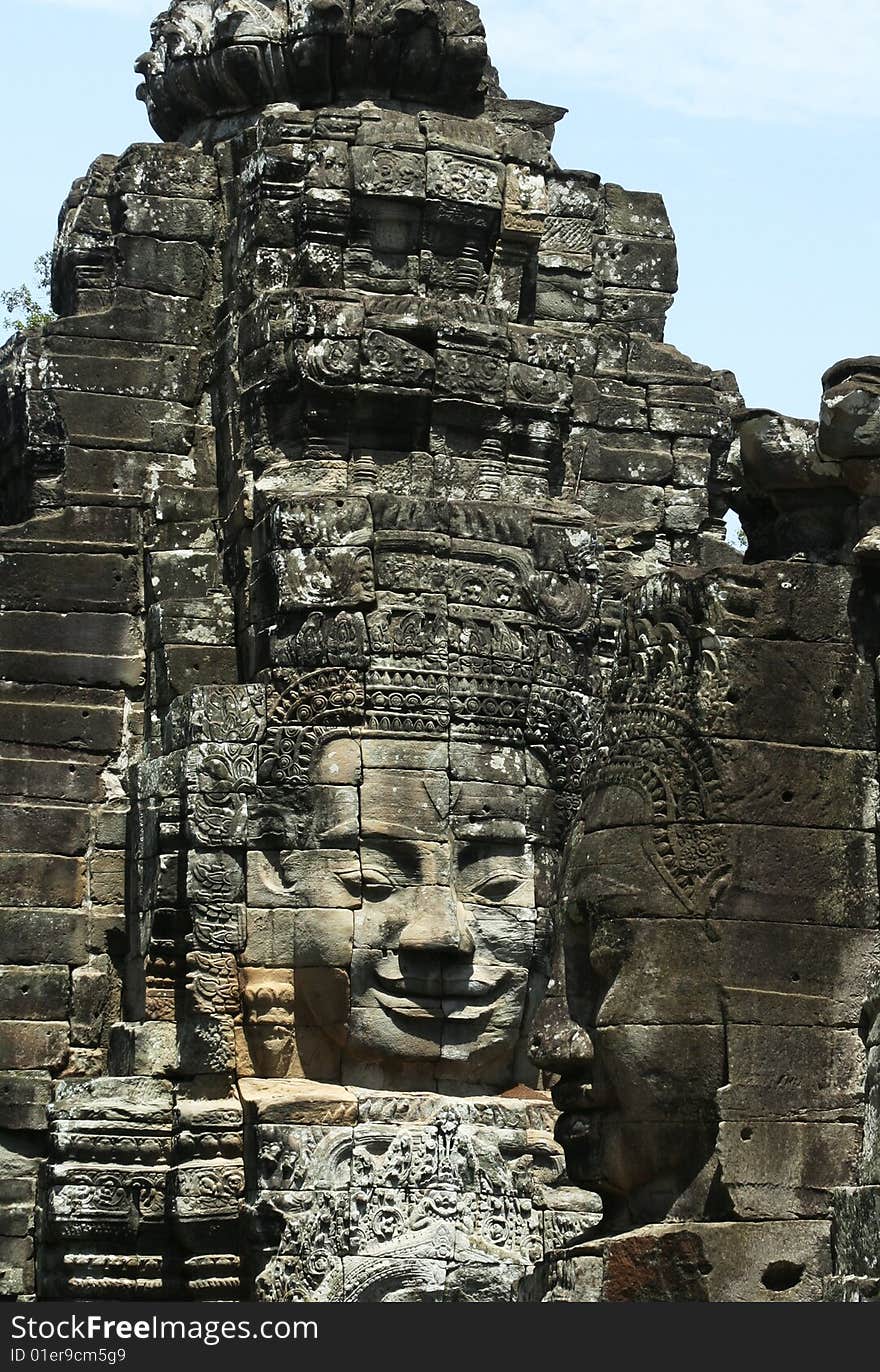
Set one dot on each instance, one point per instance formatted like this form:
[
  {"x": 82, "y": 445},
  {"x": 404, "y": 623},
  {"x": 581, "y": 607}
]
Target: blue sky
[{"x": 757, "y": 119}]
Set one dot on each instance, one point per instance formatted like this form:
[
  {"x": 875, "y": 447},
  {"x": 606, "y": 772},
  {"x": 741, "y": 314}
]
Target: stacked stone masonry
[{"x": 388, "y": 736}]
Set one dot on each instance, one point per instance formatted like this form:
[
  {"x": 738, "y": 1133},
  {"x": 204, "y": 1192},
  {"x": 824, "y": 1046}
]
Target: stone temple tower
[{"x": 388, "y": 735}]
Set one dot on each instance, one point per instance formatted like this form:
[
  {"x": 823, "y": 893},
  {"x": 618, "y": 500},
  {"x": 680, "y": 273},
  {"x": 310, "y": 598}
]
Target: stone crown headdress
[{"x": 652, "y": 735}]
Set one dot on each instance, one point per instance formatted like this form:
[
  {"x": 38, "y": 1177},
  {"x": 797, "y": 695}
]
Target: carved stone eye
[
  {"x": 376, "y": 884},
  {"x": 499, "y": 887}
]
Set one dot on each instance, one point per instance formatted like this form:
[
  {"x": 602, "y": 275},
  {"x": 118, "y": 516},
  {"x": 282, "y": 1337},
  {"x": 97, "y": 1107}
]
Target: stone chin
[{"x": 642, "y": 1171}]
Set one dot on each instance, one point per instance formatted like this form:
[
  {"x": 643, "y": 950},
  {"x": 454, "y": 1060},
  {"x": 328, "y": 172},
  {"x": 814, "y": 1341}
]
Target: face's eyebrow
[
  {"x": 404, "y": 852},
  {"x": 471, "y": 852},
  {"x": 380, "y": 831}
]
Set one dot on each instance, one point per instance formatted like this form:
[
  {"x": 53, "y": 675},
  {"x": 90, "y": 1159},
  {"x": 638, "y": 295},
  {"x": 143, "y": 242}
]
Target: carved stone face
[
  {"x": 411, "y": 915},
  {"x": 714, "y": 889},
  {"x": 268, "y": 1001},
  {"x": 446, "y": 929},
  {"x": 641, "y": 1118}
]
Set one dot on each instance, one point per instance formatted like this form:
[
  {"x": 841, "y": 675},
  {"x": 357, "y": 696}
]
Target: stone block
[
  {"x": 271, "y": 936},
  {"x": 856, "y": 1228},
  {"x": 59, "y": 829},
  {"x": 387, "y": 173},
  {"x": 95, "y": 420},
  {"x": 181, "y": 667},
  {"x": 25, "y": 1045},
  {"x": 167, "y": 217},
  {"x": 636, "y": 508},
  {"x": 17, "y": 1205},
  {"x": 70, "y": 581},
  {"x": 806, "y": 602},
  {"x": 656, "y": 362},
  {"x": 297, "y": 1102},
  {"x": 24, "y": 1100},
  {"x": 567, "y": 237},
  {"x": 742, "y": 1262},
  {"x": 95, "y": 1002},
  {"x": 30, "y": 937},
  {"x": 692, "y": 460},
  {"x": 574, "y": 194},
  {"x": 176, "y": 267},
  {"x": 817, "y": 694},
  {"x": 428, "y": 755},
  {"x": 769, "y": 783},
  {"x": 686, "y": 511},
  {"x": 183, "y": 574},
  {"x": 167, "y": 169},
  {"x": 618, "y": 457},
  {"x": 72, "y": 718},
  {"x": 641, "y": 311},
  {"x": 34, "y": 993},
  {"x": 322, "y": 998},
  {"x": 638, "y": 263},
  {"x": 795, "y": 1072},
  {"x": 148, "y": 316},
  {"x": 92, "y": 529},
  {"x": 621, "y": 407},
  {"x": 115, "y": 1098},
  {"x": 779, "y": 1169},
  {"x": 76, "y": 649},
  {"x": 202, "y": 1045},
  {"x": 655, "y": 1264},
  {"x": 323, "y": 938},
  {"x": 316, "y": 816},
  {"x": 49, "y": 777},
  {"x": 412, "y": 805},
  {"x": 566, "y": 296},
  {"x": 92, "y": 475},
  {"x": 466, "y": 180},
  {"x": 16, "y": 1267},
  {"x": 637, "y": 1054},
  {"x": 86, "y": 1062},
  {"x": 107, "y": 877},
  {"x": 35, "y": 879},
  {"x": 635, "y": 213},
  {"x": 799, "y": 875}
]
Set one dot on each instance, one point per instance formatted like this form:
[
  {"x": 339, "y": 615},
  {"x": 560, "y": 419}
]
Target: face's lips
[
  {"x": 467, "y": 993},
  {"x": 575, "y": 1096}
]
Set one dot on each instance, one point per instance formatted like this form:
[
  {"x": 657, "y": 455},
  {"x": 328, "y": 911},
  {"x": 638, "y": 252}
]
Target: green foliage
[{"x": 27, "y": 306}]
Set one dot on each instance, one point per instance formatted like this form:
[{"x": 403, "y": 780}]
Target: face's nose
[
  {"x": 440, "y": 926},
  {"x": 559, "y": 1045}
]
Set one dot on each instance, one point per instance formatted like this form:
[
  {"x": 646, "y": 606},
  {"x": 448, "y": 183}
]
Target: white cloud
[{"x": 799, "y": 60}]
